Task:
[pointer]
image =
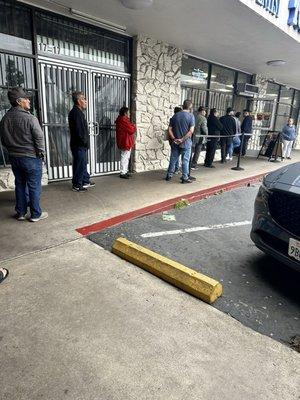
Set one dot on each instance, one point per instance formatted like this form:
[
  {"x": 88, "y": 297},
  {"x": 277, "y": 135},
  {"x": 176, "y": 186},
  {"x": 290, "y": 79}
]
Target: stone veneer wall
[{"x": 156, "y": 91}]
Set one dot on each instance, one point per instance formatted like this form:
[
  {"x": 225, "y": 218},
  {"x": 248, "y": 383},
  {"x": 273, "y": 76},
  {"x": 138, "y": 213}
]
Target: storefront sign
[
  {"x": 270, "y": 5},
  {"x": 294, "y": 14},
  {"x": 199, "y": 74}
]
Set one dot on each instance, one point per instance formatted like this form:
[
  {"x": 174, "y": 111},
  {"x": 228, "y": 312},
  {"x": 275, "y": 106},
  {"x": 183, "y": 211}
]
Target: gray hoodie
[{"x": 21, "y": 134}]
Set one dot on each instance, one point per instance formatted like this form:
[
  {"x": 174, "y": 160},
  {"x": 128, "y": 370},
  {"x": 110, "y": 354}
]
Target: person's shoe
[
  {"x": 20, "y": 217},
  {"x": 194, "y": 168},
  {"x": 88, "y": 184},
  {"x": 129, "y": 175},
  {"x": 124, "y": 176},
  {"x": 209, "y": 166},
  {"x": 168, "y": 178},
  {"x": 223, "y": 161},
  {"x": 189, "y": 180},
  {"x": 288, "y": 158},
  {"x": 230, "y": 158},
  {"x": 44, "y": 215},
  {"x": 79, "y": 189},
  {"x": 192, "y": 178}
]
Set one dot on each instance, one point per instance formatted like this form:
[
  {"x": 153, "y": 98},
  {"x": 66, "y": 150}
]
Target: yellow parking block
[{"x": 199, "y": 285}]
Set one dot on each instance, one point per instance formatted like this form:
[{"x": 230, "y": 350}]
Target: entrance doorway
[{"x": 106, "y": 93}]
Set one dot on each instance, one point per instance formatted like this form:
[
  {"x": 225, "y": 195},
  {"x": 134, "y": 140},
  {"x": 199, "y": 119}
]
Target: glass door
[
  {"x": 110, "y": 93},
  {"x": 57, "y": 84}
]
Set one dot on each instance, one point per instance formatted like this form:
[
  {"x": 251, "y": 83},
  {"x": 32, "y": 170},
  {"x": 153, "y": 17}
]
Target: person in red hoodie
[{"x": 125, "y": 139}]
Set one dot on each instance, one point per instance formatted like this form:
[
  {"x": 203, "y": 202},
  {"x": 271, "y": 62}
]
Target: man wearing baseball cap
[{"x": 21, "y": 134}]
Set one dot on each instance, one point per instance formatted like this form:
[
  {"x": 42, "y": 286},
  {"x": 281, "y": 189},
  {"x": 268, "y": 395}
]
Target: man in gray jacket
[
  {"x": 21, "y": 134},
  {"x": 200, "y": 129}
]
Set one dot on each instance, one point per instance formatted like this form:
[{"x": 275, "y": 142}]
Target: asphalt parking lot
[{"x": 212, "y": 237}]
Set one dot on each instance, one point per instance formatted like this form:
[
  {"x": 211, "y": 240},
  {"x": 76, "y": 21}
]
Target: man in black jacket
[
  {"x": 229, "y": 130},
  {"x": 247, "y": 129},
  {"x": 79, "y": 143}
]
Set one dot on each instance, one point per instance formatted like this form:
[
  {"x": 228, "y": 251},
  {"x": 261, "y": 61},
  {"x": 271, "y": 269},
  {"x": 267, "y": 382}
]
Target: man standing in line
[
  {"x": 247, "y": 129},
  {"x": 288, "y": 137},
  {"x": 228, "y": 131},
  {"x": 23, "y": 138},
  {"x": 79, "y": 143},
  {"x": 200, "y": 129},
  {"x": 181, "y": 129}
]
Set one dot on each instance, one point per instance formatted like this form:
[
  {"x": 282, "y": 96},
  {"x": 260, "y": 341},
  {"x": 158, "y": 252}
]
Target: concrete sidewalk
[
  {"x": 79, "y": 323},
  {"x": 111, "y": 196}
]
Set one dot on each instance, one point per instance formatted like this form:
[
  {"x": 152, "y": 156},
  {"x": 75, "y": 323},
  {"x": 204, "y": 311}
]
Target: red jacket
[{"x": 125, "y": 133}]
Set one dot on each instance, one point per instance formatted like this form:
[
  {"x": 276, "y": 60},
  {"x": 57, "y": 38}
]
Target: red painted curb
[{"x": 165, "y": 205}]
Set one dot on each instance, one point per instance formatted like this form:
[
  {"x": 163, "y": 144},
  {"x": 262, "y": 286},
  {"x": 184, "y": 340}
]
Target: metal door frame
[{"x": 91, "y": 74}]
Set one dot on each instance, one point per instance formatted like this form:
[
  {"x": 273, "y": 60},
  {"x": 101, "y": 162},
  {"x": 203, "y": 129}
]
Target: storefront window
[
  {"x": 15, "y": 28},
  {"x": 64, "y": 38},
  {"x": 272, "y": 91},
  {"x": 296, "y": 105},
  {"x": 194, "y": 73},
  {"x": 222, "y": 79}
]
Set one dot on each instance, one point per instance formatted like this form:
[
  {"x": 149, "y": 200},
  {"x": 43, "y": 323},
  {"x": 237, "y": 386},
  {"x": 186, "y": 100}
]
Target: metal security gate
[{"x": 106, "y": 94}]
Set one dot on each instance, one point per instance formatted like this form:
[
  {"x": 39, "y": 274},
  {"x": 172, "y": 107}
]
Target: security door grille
[{"x": 106, "y": 94}]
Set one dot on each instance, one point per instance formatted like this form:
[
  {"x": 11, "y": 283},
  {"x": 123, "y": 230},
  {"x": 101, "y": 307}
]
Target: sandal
[{"x": 2, "y": 275}]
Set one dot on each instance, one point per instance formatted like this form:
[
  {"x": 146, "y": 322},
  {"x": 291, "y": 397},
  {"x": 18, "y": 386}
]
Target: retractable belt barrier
[{"x": 237, "y": 167}]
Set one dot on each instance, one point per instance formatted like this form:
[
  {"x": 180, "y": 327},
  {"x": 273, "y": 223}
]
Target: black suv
[{"x": 276, "y": 221}]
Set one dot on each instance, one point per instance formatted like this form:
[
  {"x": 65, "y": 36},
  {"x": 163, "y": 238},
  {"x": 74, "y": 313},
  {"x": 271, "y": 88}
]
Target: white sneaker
[
  {"x": 227, "y": 158},
  {"x": 44, "y": 215},
  {"x": 230, "y": 158}
]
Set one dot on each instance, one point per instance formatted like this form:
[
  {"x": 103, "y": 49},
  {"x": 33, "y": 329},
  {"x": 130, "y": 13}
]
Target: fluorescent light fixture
[
  {"x": 276, "y": 63},
  {"x": 137, "y": 4},
  {"x": 101, "y": 22}
]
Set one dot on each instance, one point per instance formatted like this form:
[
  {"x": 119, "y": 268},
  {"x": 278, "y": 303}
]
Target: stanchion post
[{"x": 238, "y": 168}]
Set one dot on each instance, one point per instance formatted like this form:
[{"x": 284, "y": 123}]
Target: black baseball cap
[{"x": 16, "y": 93}]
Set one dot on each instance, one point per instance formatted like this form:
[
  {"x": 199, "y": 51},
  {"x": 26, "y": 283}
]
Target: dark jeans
[
  {"x": 245, "y": 145},
  {"x": 28, "y": 181},
  {"x": 80, "y": 174},
  {"x": 225, "y": 146},
  {"x": 211, "y": 146}
]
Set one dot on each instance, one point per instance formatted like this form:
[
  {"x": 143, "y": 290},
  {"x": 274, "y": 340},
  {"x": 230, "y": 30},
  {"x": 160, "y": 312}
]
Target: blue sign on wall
[
  {"x": 270, "y": 5},
  {"x": 294, "y": 15}
]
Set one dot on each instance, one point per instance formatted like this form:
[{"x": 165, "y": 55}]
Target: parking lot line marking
[
  {"x": 187, "y": 279},
  {"x": 195, "y": 229}
]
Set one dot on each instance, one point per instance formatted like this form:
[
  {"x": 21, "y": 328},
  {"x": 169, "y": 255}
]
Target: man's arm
[
  {"x": 204, "y": 129},
  {"x": 79, "y": 126},
  {"x": 171, "y": 134},
  {"x": 38, "y": 136}
]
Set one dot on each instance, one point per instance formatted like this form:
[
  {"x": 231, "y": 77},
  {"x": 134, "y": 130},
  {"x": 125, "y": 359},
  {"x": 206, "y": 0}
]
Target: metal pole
[{"x": 238, "y": 168}]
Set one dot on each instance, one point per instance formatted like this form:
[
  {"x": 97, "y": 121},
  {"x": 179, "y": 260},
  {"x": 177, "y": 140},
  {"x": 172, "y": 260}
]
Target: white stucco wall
[{"x": 281, "y": 22}]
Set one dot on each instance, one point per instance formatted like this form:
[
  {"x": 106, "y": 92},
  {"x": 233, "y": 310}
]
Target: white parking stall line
[{"x": 195, "y": 229}]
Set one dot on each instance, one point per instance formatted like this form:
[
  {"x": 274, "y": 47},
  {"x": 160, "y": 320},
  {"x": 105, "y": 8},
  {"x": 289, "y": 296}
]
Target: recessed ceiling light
[
  {"x": 137, "y": 4},
  {"x": 276, "y": 63}
]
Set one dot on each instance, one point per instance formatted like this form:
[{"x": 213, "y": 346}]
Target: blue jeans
[
  {"x": 80, "y": 174},
  {"x": 176, "y": 151},
  {"x": 230, "y": 149},
  {"x": 28, "y": 182}
]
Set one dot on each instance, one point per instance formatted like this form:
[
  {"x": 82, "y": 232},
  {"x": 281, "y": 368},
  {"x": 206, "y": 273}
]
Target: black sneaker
[
  {"x": 88, "y": 184},
  {"x": 79, "y": 189},
  {"x": 209, "y": 166},
  {"x": 189, "y": 180},
  {"x": 124, "y": 176},
  {"x": 192, "y": 178},
  {"x": 168, "y": 178}
]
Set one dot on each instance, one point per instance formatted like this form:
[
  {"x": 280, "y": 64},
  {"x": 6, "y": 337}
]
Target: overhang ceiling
[{"x": 223, "y": 31}]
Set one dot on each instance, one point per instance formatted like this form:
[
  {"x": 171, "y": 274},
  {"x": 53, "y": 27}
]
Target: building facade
[{"x": 52, "y": 54}]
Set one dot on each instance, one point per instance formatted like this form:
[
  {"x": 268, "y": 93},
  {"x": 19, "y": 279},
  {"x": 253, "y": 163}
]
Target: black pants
[
  {"x": 245, "y": 145},
  {"x": 211, "y": 146},
  {"x": 80, "y": 174},
  {"x": 225, "y": 143}
]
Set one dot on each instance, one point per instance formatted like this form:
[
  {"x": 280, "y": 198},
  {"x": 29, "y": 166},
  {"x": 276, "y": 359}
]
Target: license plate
[{"x": 294, "y": 249}]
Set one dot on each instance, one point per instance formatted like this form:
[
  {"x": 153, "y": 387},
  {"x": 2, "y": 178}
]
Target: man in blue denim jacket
[{"x": 21, "y": 134}]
